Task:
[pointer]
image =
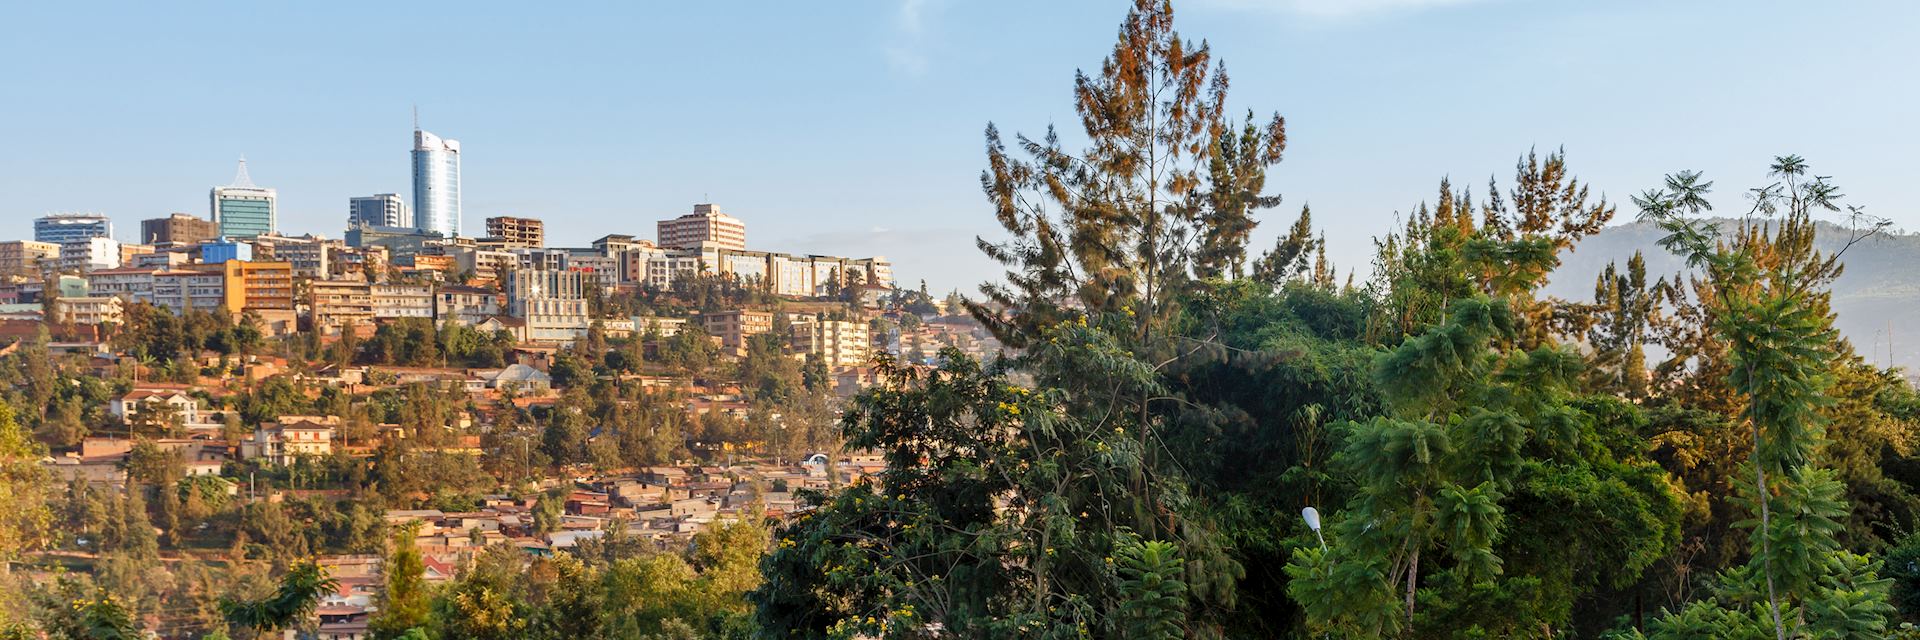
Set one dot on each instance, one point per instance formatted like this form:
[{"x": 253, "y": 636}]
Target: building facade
[
  {"x": 26, "y": 258},
  {"x": 291, "y": 438},
  {"x": 338, "y": 306},
  {"x": 552, "y": 303},
  {"x": 838, "y": 343},
  {"x": 706, "y": 226},
  {"x": 515, "y": 232},
  {"x": 465, "y": 305},
  {"x": 402, "y": 300},
  {"x": 436, "y": 184},
  {"x": 89, "y": 254},
  {"x": 178, "y": 228},
  {"x": 89, "y": 310},
  {"x": 132, "y": 284},
  {"x": 62, "y": 228},
  {"x": 310, "y": 255},
  {"x": 379, "y": 210},
  {"x": 243, "y": 210},
  {"x": 186, "y": 290},
  {"x": 733, "y": 328}
]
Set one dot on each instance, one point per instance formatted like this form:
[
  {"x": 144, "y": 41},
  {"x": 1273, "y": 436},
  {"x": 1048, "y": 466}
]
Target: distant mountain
[{"x": 1878, "y": 295}]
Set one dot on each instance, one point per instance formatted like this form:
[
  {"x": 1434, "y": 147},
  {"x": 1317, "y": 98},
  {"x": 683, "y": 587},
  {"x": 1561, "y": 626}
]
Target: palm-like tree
[{"x": 299, "y": 592}]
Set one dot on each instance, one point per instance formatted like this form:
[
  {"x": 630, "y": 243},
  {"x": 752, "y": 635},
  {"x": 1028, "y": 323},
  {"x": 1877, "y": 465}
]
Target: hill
[{"x": 1877, "y": 297}]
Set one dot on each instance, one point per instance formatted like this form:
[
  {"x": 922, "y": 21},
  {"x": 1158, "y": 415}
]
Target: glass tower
[
  {"x": 243, "y": 210},
  {"x": 436, "y": 184}
]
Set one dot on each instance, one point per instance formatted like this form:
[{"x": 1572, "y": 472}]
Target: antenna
[
  {"x": 240, "y": 178},
  {"x": 416, "y": 117}
]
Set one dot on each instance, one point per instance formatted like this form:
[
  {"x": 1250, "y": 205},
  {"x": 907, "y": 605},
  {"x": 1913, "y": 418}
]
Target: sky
[{"x": 855, "y": 128}]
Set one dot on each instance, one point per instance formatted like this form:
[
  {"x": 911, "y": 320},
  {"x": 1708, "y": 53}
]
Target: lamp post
[{"x": 1312, "y": 516}]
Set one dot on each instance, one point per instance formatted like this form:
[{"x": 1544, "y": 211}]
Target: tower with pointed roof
[{"x": 243, "y": 210}]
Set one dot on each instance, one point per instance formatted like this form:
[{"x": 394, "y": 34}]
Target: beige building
[
  {"x": 89, "y": 310},
  {"x": 466, "y": 305},
  {"x": 401, "y": 300},
  {"x": 839, "y": 343},
  {"x": 282, "y": 442},
  {"x": 178, "y": 228},
  {"x": 309, "y": 256},
  {"x": 552, "y": 303},
  {"x": 131, "y": 284},
  {"x": 336, "y": 306},
  {"x": 184, "y": 290},
  {"x": 733, "y": 328},
  {"x": 24, "y": 258},
  {"x": 705, "y": 226},
  {"x": 517, "y": 233}
]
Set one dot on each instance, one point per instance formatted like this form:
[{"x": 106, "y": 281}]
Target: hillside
[{"x": 1878, "y": 293}]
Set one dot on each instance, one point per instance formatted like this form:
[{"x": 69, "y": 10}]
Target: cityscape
[{"x": 1444, "y": 319}]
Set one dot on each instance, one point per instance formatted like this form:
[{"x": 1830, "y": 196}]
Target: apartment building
[
  {"x": 87, "y": 254},
  {"x": 515, "y": 232},
  {"x": 466, "y": 305},
  {"x": 733, "y": 328},
  {"x": 309, "y": 255},
  {"x": 338, "y": 306},
  {"x": 178, "y": 228},
  {"x": 485, "y": 264},
  {"x": 401, "y": 300},
  {"x": 90, "y": 310},
  {"x": 183, "y": 290},
  {"x": 25, "y": 258},
  {"x": 838, "y": 343},
  {"x": 130, "y": 284},
  {"x": 552, "y": 303}
]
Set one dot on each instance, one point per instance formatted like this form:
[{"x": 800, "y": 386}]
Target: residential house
[{"x": 283, "y": 441}]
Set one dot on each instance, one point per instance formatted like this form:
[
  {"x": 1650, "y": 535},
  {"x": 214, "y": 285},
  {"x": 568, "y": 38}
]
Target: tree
[
  {"x": 290, "y": 604},
  {"x": 404, "y": 604},
  {"x": 1772, "y": 310},
  {"x": 25, "y": 493},
  {"x": 1115, "y": 227}
]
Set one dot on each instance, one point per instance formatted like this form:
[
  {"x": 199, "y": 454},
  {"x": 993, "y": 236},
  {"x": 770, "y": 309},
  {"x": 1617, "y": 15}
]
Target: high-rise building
[
  {"x": 706, "y": 227},
  {"x": 517, "y": 233},
  {"x": 178, "y": 228},
  {"x": 61, "y": 228},
  {"x": 436, "y": 184},
  {"x": 379, "y": 210},
  {"x": 243, "y": 210}
]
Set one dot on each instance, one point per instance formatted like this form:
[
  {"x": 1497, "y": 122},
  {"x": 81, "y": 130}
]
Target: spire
[{"x": 240, "y": 178}]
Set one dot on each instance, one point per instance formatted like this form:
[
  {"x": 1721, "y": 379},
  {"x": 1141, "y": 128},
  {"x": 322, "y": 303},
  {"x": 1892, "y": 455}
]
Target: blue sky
[{"x": 855, "y": 127}]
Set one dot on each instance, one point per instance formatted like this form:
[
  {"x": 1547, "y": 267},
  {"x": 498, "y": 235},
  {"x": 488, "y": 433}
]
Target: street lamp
[{"x": 1312, "y": 516}]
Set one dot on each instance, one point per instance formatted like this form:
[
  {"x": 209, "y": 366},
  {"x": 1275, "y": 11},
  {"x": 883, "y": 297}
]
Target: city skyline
[{"x": 581, "y": 123}]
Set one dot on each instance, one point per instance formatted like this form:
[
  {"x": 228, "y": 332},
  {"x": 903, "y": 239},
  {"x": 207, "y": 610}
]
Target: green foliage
[
  {"x": 405, "y": 602},
  {"x": 300, "y": 590}
]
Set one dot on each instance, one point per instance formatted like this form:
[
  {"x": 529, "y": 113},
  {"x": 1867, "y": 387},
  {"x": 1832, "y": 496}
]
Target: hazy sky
[{"x": 854, "y": 128}]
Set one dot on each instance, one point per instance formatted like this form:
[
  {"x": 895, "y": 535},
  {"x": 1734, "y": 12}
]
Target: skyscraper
[
  {"x": 436, "y": 184},
  {"x": 61, "y": 228},
  {"x": 243, "y": 210},
  {"x": 379, "y": 210}
]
